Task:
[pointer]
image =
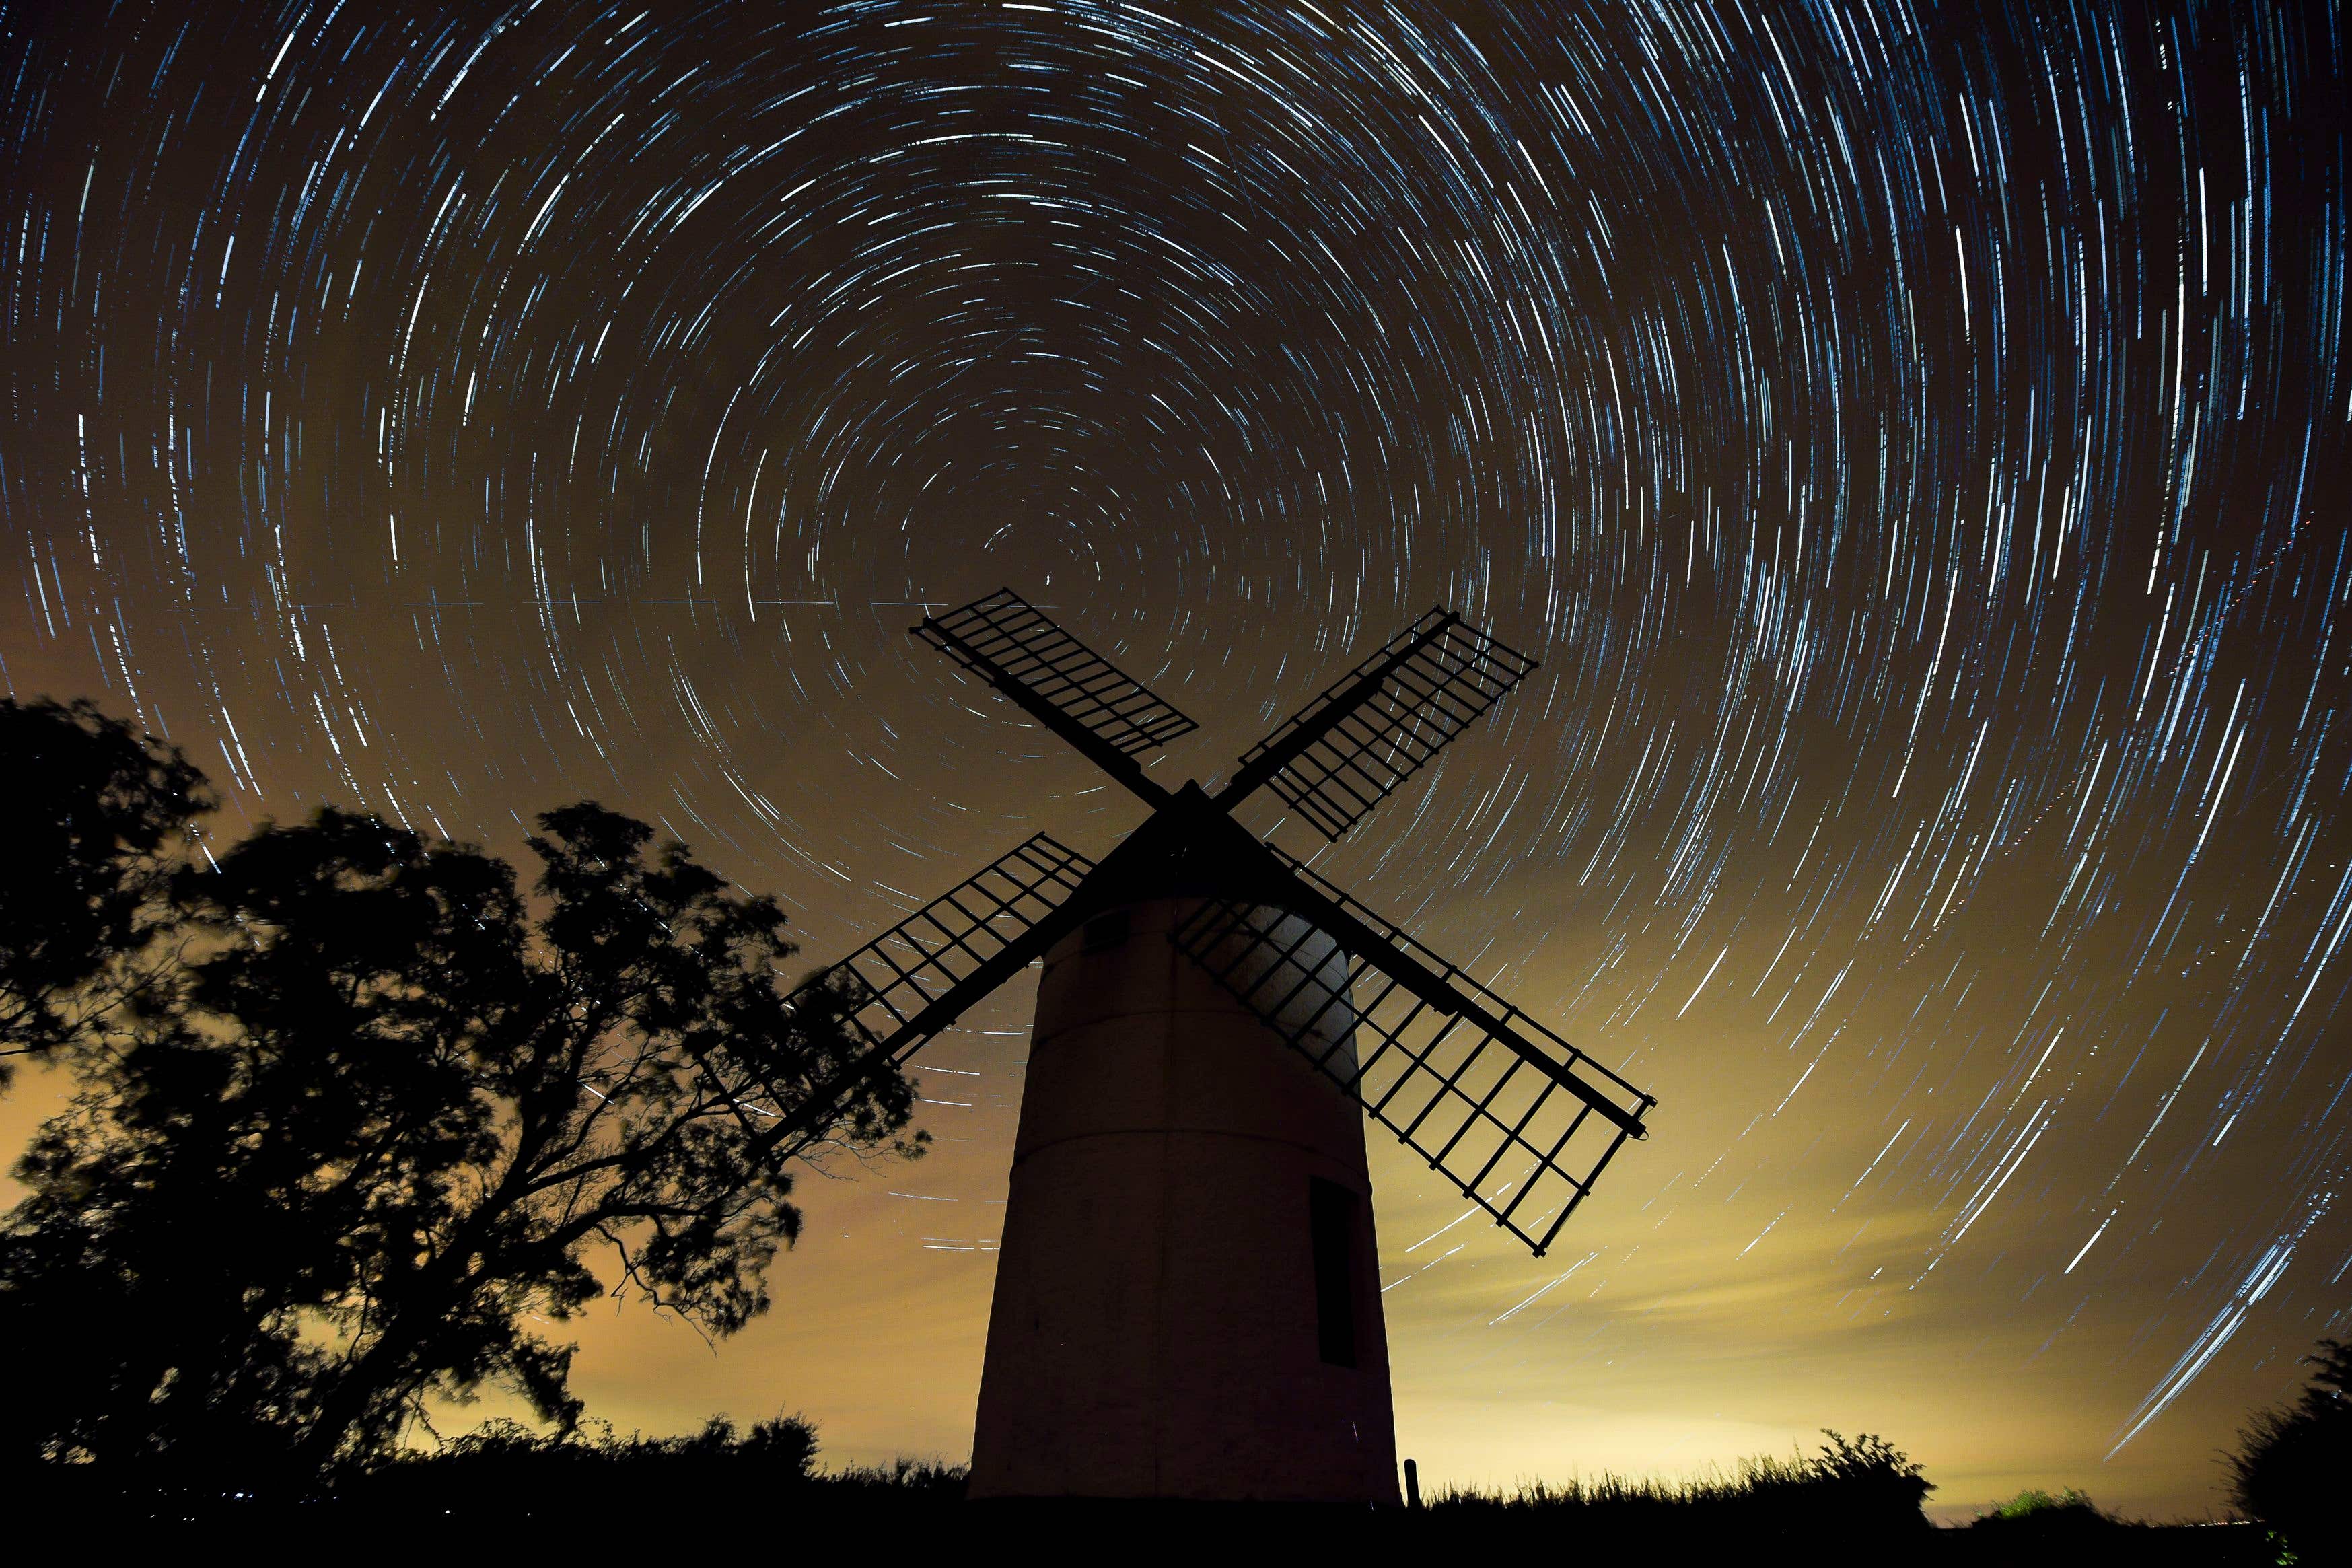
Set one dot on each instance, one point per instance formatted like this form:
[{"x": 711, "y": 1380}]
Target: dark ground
[{"x": 884, "y": 1523}]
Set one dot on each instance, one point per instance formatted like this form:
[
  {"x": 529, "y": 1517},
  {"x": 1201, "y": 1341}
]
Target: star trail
[{"x": 1914, "y": 440}]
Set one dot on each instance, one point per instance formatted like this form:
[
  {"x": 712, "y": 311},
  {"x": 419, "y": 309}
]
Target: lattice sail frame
[
  {"x": 1007, "y": 631},
  {"x": 1441, "y": 1041},
  {"x": 1507, "y": 1110},
  {"x": 917, "y": 962},
  {"x": 1431, "y": 697}
]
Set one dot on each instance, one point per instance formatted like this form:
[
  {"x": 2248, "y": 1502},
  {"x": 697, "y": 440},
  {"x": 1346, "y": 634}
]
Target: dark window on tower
[
  {"x": 1332, "y": 1228},
  {"x": 1106, "y": 932}
]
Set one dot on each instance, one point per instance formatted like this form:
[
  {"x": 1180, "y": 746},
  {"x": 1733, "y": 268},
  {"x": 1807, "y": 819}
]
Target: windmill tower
[{"x": 1187, "y": 1293}]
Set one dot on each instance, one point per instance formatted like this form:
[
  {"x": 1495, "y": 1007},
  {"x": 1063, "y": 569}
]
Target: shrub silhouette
[
  {"x": 2291, "y": 1466},
  {"x": 504, "y": 1483},
  {"x": 2035, "y": 1503},
  {"x": 1874, "y": 1479},
  {"x": 1854, "y": 1488},
  {"x": 2047, "y": 1521},
  {"x": 503, "y": 1470}
]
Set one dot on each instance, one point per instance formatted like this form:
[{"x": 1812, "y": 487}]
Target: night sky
[{"x": 1914, "y": 440}]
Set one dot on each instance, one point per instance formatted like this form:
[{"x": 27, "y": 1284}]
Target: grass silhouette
[{"x": 506, "y": 1488}]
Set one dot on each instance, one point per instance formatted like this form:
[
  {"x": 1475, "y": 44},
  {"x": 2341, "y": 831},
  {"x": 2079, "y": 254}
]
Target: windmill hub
[{"x": 1188, "y": 1295}]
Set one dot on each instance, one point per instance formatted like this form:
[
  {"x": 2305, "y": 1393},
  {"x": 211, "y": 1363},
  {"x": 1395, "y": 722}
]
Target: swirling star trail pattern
[{"x": 1914, "y": 439}]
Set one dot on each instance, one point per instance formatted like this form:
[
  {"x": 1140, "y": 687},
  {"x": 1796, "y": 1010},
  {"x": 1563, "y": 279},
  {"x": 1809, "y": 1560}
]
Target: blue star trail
[{"x": 1915, "y": 443}]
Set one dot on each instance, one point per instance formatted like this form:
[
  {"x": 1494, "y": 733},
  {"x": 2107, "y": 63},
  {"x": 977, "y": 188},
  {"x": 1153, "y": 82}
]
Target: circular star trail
[{"x": 1915, "y": 443}]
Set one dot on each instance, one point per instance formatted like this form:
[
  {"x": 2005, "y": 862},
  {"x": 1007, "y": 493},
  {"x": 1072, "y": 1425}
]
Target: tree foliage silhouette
[
  {"x": 99, "y": 815},
  {"x": 387, "y": 1111},
  {"x": 2291, "y": 1465}
]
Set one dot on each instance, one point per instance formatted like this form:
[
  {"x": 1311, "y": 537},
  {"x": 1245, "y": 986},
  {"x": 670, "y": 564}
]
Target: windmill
[{"x": 1187, "y": 1302}]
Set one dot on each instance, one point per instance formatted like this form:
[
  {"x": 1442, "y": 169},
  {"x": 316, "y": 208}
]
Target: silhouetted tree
[
  {"x": 393, "y": 1111},
  {"x": 97, "y": 818},
  {"x": 2291, "y": 1465}
]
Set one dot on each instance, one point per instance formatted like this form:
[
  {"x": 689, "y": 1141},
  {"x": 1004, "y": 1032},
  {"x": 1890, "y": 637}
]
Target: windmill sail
[
  {"x": 1518, "y": 1119},
  {"x": 1089, "y": 701},
  {"x": 904, "y": 983},
  {"x": 1344, "y": 753},
  {"x": 1522, "y": 1122},
  {"x": 919, "y": 977}
]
